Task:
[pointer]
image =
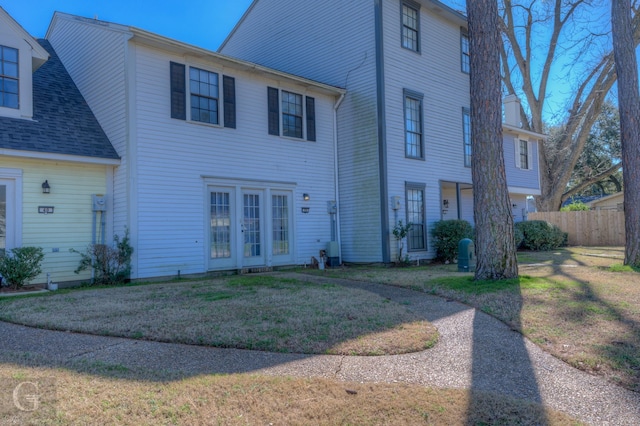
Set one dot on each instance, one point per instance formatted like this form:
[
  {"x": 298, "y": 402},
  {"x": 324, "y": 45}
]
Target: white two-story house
[
  {"x": 404, "y": 146},
  {"x": 226, "y": 164}
]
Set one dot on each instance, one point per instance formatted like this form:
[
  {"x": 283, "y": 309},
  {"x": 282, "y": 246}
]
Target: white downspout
[{"x": 335, "y": 172}]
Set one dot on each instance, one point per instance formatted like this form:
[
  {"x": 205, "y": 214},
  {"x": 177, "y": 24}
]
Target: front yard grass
[
  {"x": 257, "y": 312},
  {"x": 88, "y": 397},
  {"x": 577, "y": 303}
]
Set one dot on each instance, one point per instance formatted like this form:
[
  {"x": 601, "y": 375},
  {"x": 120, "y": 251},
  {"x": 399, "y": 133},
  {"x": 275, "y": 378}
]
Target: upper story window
[
  {"x": 413, "y": 128},
  {"x": 291, "y": 114},
  {"x": 9, "y": 77},
  {"x": 410, "y": 25},
  {"x": 465, "y": 58},
  {"x": 204, "y": 90},
  {"x": 205, "y": 96},
  {"x": 523, "y": 154},
  {"x": 466, "y": 135}
]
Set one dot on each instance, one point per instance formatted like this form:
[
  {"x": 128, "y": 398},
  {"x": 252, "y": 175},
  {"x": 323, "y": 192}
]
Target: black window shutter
[
  {"x": 178, "y": 87},
  {"x": 311, "y": 119},
  {"x": 274, "y": 112},
  {"x": 229, "y": 93}
]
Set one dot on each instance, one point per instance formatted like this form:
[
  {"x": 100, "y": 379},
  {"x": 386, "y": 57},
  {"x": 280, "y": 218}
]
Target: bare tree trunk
[
  {"x": 495, "y": 244},
  {"x": 629, "y": 106},
  {"x": 518, "y": 22}
]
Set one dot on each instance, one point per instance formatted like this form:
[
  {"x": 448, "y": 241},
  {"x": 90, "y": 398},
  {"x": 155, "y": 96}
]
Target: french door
[{"x": 249, "y": 227}]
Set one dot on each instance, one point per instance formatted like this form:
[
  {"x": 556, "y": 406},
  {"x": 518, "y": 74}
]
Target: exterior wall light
[
  {"x": 306, "y": 197},
  {"x": 445, "y": 204},
  {"x": 45, "y": 187}
]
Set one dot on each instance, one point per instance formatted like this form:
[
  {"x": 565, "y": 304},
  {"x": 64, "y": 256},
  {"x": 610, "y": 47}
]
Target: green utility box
[
  {"x": 333, "y": 254},
  {"x": 466, "y": 256}
]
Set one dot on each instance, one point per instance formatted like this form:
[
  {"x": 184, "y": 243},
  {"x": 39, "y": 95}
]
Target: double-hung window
[
  {"x": 9, "y": 77},
  {"x": 291, "y": 114},
  {"x": 466, "y": 136},
  {"x": 410, "y": 12},
  {"x": 465, "y": 58},
  {"x": 417, "y": 236},
  {"x": 413, "y": 126},
  {"x": 523, "y": 154},
  {"x": 207, "y": 97},
  {"x": 205, "y": 94}
]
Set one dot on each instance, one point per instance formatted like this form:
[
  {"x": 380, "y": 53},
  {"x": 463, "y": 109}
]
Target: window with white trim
[
  {"x": 466, "y": 135},
  {"x": 410, "y": 12},
  {"x": 523, "y": 154},
  {"x": 205, "y": 93},
  {"x": 9, "y": 77},
  {"x": 413, "y": 125},
  {"x": 417, "y": 236},
  {"x": 291, "y": 114}
]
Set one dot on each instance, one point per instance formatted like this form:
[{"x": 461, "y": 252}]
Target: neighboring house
[
  {"x": 225, "y": 164},
  {"x": 609, "y": 202},
  {"x": 48, "y": 138},
  {"x": 404, "y": 146}
]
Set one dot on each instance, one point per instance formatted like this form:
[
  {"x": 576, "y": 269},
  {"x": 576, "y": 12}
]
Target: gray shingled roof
[{"x": 62, "y": 121}]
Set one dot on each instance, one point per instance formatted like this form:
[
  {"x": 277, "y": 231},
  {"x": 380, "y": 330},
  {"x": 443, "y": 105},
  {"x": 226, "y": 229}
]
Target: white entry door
[{"x": 7, "y": 215}]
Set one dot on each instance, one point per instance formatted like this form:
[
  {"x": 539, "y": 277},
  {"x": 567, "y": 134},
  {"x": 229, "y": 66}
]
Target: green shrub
[
  {"x": 111, "y": 265},
  {"x": 540, "y": 235},
  {"x": 447, "y": 234},
  {"x": 575, "y": 207},
  {"x": 20, "y": 265}
]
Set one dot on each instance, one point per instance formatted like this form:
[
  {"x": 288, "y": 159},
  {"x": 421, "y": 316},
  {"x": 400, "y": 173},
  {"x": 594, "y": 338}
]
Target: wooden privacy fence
[{"x": 587, "y": 228}]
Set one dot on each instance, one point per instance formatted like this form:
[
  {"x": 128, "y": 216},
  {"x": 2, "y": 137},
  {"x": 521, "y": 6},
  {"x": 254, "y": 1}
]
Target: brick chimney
[{"x": 512, "y": 110}]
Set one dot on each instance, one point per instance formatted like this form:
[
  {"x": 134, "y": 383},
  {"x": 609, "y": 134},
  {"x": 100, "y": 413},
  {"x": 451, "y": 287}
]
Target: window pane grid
[
  {"x": 9, "y": 72},
  {"x": 413, "y": 127},
  {"x": 252, "y": 246},
  {"x": 409, "y": 28},
  {"x": 280, "y": 213},
  {"x": 291, "y": 114},
  {"x": 524, "y": 155},
  {"x": 464, "y": 47},
  {"x": 220, "y": 225},
  {"x": 415, "y": 214},
  {"x": 204, "y": 89},
  {"x": 466, "y": 135}
]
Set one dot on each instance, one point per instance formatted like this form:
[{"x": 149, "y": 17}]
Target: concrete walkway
[{"x": 475, "y": 351}]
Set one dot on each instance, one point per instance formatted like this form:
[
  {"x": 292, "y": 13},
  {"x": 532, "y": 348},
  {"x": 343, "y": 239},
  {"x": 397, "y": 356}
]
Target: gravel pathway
[{"x": 475, "y": 351}]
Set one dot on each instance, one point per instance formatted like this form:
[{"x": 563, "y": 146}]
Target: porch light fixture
[
  {"x": 445, "y": 204},
  {"x": 45, "y": 187},
  {"x": 306, "y": 197}
]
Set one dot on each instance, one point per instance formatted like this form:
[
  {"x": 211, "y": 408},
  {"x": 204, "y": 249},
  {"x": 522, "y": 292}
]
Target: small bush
[
  {"x": 575, "y": 207},
  {"x": 111, "y": 265},
  {"x": 540, "y": 235},
  {"x": 400, "y": 231},
  {"x": 447, "y": 234},
  {"x": 20, "y": 265}
]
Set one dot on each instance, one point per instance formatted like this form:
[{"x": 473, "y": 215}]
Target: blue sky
[{"x": 204, "y": 23}]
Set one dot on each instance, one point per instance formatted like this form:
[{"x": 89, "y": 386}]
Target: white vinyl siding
[
  {"x": 178, "y": 161},
  {"x": 95, "y": 56},
  {"x": 336, "y": 47}
]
